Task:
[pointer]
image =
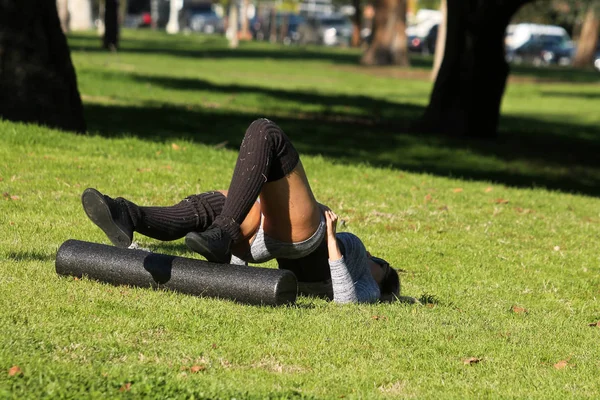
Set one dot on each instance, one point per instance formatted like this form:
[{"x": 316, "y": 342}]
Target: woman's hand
[
  {"x": 333, "y": 248},
  {"x": 331, "y": 219}
]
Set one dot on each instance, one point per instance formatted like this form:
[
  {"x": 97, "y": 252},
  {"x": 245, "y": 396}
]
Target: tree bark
[
  {"x": 388, "y": 46},
  {"x": 440, "y": 42},
  {"x": 37, "y": 79},
  {"x": 80, "y": 16},
  {"x": 356, "y": 24},
  {"x": 122, "y": 12},
  {"x": 586, "y": 47},
  {"x": 154, "y": 13},
  {"x": 232, "y": 26},
  {"x": 244, "y": 21},
  {"x": 111, "y": 25},
  {"x": 273, "y": 26},
  {"x": 468, "y": 91},
  {"x": 63, "y": 14}
]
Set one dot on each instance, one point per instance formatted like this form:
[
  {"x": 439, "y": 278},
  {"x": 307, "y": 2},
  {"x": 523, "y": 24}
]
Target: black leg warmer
[
  {"x": 194, "y": 213},
  {"x": 266, "y": 155}
]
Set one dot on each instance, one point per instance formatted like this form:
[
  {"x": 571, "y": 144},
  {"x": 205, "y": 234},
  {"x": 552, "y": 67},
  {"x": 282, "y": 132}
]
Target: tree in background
[
  {"x": 588, "y": 39},
  {"x": 63, "y": 14},
  {"x": 37, "y": 79},
  {"x": 468, "y": 90},
  {"x": 232, "y": 25},
  {"x": 389, "y": 43},
  {"x": 110, "y": 39},
  {"x": 80, "y": 15},
  {"x": 174, "y": 8},
  {"x": 440, "y": 42}
]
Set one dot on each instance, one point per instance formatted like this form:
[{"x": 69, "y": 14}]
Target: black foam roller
[{"x": 250, "y": 285}]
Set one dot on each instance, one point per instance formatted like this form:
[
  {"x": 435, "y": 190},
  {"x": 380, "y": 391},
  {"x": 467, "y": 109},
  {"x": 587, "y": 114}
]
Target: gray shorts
[{"x": 264, "y": 248}]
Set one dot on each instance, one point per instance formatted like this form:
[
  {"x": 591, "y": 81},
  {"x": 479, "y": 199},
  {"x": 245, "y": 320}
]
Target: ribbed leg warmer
[
  {"x": 266, "y": 155},
  {"x": 194, "y": 213}
]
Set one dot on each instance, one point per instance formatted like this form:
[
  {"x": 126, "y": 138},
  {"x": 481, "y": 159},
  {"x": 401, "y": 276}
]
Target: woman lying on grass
[{"x": 287, "y": 224}]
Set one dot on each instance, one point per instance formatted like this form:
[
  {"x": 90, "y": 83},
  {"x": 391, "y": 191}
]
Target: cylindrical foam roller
[{"x": 251, "y": 285}]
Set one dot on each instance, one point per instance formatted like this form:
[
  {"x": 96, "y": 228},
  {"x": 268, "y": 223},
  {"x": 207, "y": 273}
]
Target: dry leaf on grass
[
  {"x": 518, "y": 310},
  {"x": 457, "y": 190},
  {"x": 197, "y": 368},
  {"x": 561, "y": 364},
  {"x": 488, "y": 189},
  {"x": 7, "y": 196},
  {"x": 175, "y": 146},
  {"x": 125, "y": 387},
  {"x": 471, "y": 360},
  {"x": 14, "y": 371},
  {"x": 379, "y": 317},
  {"x": 500, "y": 201}
]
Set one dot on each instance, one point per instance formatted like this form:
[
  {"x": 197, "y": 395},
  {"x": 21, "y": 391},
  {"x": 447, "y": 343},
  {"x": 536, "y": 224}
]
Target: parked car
[
  {"x": 202, "y": 18},
  {"x": 328, "y": 30},
  {"x": 519, "y": 34},
  {"x": 260, "y": 27},
  {"x": 542, "y": 50},
  {"x": 423, "y": 44}
]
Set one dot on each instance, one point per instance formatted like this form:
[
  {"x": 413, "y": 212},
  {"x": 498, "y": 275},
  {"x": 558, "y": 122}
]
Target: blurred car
[
  {"x": 260, "y": 27},
  {"x": 423, "y": 44},
  {"x": 519, "y": 34},
  {"x": 542, "y": 50},
  {"x": 202, "y": 18},
  {"x": 328, "y": 30},
  {"x": 140, "y": 20}
]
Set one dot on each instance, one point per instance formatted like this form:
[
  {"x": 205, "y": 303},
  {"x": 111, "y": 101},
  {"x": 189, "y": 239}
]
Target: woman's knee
[{"x": 263, "y": 129}]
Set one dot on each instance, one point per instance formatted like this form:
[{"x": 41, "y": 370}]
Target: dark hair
[{"x": 390, "y": 285}]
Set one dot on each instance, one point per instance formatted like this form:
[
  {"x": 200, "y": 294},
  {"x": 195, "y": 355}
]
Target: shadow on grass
[
  {"x": 527, "y": 153},
  {"x": 30, "y": 256},
  {"x": 214, "y": 47}
]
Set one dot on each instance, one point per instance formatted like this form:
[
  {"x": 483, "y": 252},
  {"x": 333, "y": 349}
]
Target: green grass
[{"x": 480, "y": 230}]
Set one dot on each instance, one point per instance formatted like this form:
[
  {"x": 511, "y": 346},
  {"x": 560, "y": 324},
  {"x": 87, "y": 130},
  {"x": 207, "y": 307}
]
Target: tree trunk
[
  {"x": 440, "y": 42},
  {"x": 273, "y": 26},
  {"x": 37, "y": 79},
  {"x": 63, "y": 14},
  {"x": 468, "y": 91},
  {"x": 283, "y": 30},
  {"x": 232, "y": 26},
  {"x": 244, "y": 20},
  {"x": 356, "y": 24},
  {"x": 111, "y": 25},
  {"x": 122, "y": 12},
  {"x": 80, "y": 16},
  {"x": 101, "y": 17},
  {"x": 154, "y": 13},
  {"x": 388, "y": 46},
  {"x": 173, "y": 24},
  {"x": 586, "y": 46}
]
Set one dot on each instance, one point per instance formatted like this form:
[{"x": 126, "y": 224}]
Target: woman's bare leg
[
  {"x": 267, "y": 163},
  {"x": 291, "y": 213}
]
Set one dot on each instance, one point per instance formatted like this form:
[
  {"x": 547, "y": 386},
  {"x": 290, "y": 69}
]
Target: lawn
[{"x": 498, "y": 239}]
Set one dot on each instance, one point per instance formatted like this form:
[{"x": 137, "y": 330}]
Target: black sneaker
[
  {"x": 213, "y": 244},
  {"x": 110, "y": 215}
]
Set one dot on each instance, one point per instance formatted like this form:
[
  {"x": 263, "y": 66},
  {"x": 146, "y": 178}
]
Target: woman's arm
[{"x": 341, "y": 280}]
